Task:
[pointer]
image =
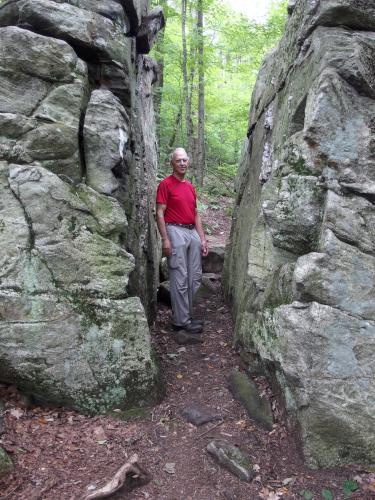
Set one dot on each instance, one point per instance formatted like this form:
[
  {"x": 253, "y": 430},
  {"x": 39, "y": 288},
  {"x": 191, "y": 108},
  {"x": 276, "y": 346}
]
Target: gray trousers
[{"x": 185, "y": 271}]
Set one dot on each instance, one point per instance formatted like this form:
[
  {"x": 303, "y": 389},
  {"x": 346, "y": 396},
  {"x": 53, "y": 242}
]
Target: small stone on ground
[
  {"x": 198, "y": 414},
  {"x": 6, "y": 464},
  {"x": 232, "y": 458}
]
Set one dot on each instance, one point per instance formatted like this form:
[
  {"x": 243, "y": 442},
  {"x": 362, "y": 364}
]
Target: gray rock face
[
  {"x": 300, "y": 267},
  {"x": 64, "y": 232},
  {"x": 111, "y": 9},
  {"x": 106, "y": 136},
  {"x": 151, "y": 25},
  {"x": 135, "y": 9},
  {"x": 91, "y": 34},
  {"x": 43, "y": 95},
  {"x": 73, "y": 329},
  {"x": 163, "y": 269},
  {"x": 68, "y": 333},
  {"x": 140, "y": 184}
]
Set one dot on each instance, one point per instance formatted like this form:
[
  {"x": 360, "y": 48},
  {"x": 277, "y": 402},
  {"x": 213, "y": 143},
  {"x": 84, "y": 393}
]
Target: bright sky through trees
[
  {"x": 256, "y": 10},
  {"x": 234, "y": 47}
]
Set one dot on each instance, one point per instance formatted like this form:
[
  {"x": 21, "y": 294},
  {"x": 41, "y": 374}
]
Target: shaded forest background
[{"x": 209, "y": 57}]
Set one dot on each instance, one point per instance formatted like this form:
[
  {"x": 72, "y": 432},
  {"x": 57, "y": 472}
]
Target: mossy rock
[
  {"x": 246, "y": 392},
  {"x": 6, "y": 464},
  {"x": 232, "y": 458}
]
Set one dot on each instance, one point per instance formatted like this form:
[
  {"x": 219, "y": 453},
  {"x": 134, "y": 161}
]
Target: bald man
[{"x": 183, "y": 241}]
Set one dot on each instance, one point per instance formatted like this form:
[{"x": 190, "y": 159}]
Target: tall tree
[
  {"x": 187, "y": 95},
  {"x": 172, "y": 139},
  {"x": 201, "y": 155},
  {"x": 158, "y": 89},
  {"x": 192, "y": 66}
]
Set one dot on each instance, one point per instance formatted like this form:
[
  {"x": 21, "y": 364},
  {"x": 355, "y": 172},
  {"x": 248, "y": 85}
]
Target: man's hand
[
  {"x": 204, "y": 248},
  {"x": 166, "y": 247}
]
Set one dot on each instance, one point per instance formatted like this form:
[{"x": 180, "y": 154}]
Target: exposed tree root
[{"x": 130, "y": 475}]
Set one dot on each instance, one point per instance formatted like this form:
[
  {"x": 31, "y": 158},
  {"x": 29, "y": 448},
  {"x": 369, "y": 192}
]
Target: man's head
[{"x": 179, "y": 162}]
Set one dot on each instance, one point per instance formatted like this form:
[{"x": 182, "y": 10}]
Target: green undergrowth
[{"x": 349, "y": 487}]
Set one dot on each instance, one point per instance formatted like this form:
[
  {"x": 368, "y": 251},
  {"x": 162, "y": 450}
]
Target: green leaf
[
  {"x": 327, "y": 494},
  {"x": 307, "y": 494},
  {"x": 349, "y": 487}
]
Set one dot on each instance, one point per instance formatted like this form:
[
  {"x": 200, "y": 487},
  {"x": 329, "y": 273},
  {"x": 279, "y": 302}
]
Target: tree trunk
[
  {"x": 201, "y": 156},
  {"x": 158, "y": 88},
  {"x": 174, "y": 131},
  {"x": 193, "y": 57},
  {"x": 187, "y": 99}
]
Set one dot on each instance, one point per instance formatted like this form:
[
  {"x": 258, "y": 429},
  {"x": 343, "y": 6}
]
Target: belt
[{"x": 186, "y": 226}]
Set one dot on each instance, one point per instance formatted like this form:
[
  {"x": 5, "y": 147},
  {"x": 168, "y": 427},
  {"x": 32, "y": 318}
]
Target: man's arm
[
  {"x": 165, "y": 241},
  {"x": 199, "y": 228}
]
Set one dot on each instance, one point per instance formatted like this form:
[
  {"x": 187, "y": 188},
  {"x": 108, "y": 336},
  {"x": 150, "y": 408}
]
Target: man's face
[{"x": 180, "y": 162}]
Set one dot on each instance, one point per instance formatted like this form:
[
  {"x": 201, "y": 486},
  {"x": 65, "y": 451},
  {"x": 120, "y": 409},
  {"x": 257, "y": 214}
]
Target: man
[{"x": 183, "y": 240}]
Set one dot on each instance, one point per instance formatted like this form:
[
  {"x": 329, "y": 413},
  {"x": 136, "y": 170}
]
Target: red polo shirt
[{"x": 180, "y": 199}]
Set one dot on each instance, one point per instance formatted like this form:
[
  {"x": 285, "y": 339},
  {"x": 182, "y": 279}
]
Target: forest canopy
[{"x": 219, "y": 57}]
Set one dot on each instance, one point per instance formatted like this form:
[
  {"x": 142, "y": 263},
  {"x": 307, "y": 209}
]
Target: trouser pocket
[{"x": 173, "y": 260}]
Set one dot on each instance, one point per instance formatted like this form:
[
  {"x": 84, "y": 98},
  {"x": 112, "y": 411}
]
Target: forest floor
[{"x": 60, "y": 454}]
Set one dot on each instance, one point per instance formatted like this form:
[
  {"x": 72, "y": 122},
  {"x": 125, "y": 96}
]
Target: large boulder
[
  {"x": 78, "y": 249},
  {"x": 68, "y": 332},
  {"x": 93, "y": 355},
  {"x": 300, "y": 266}
]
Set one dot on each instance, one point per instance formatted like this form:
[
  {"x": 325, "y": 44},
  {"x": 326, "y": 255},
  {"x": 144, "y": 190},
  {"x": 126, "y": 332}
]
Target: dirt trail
[{"x": 59, "y": 454}]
